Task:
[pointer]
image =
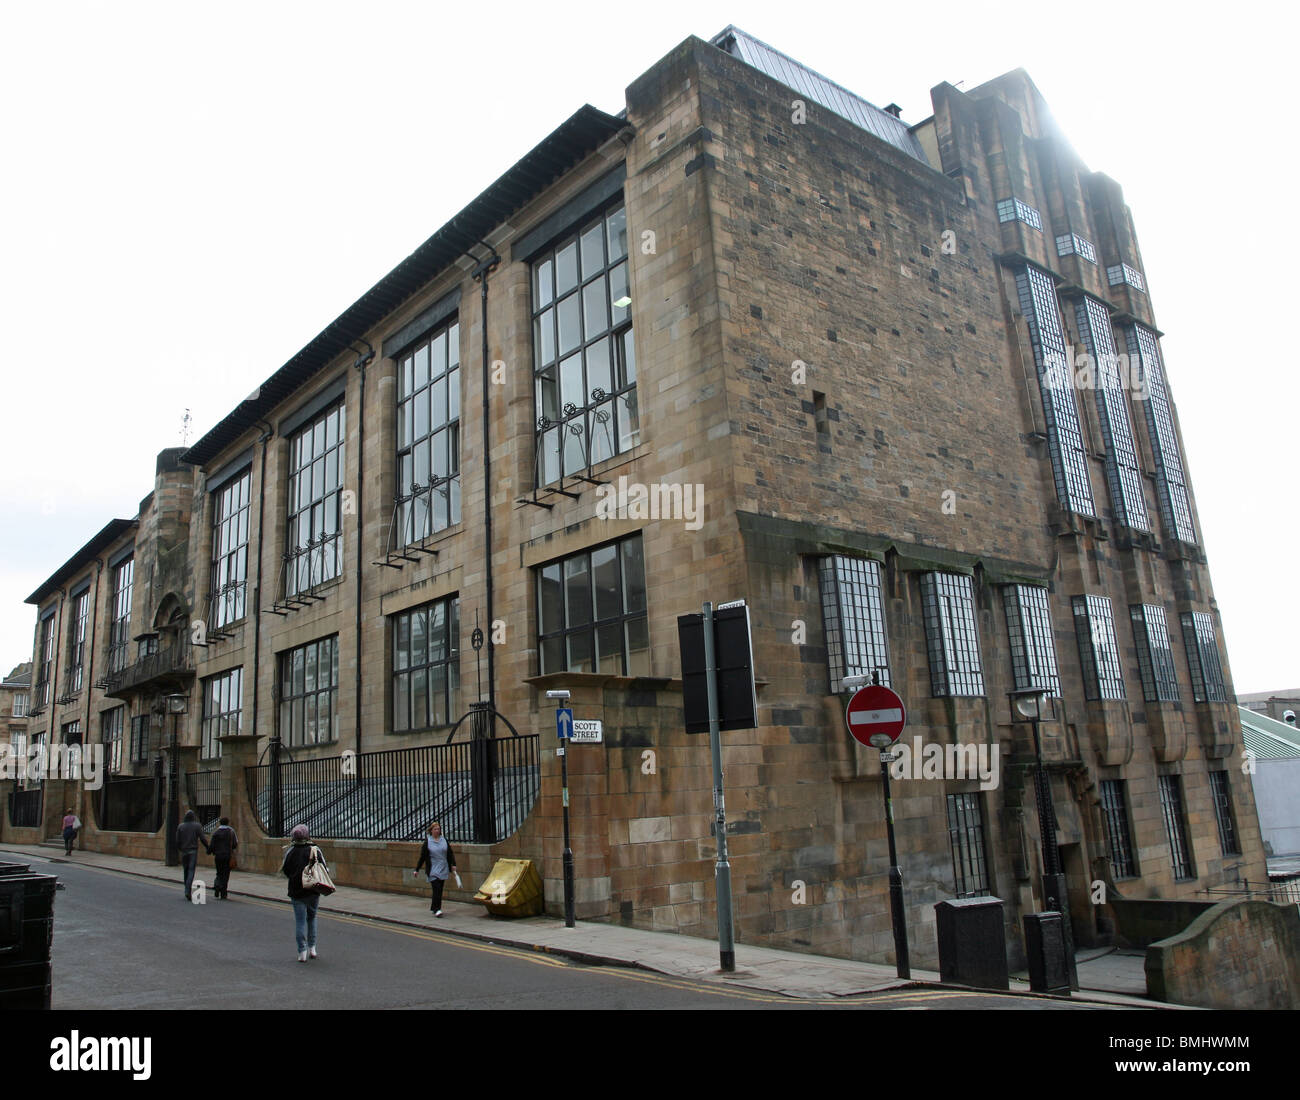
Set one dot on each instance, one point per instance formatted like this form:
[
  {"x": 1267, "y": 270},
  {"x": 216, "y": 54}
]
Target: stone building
[
  {"x": 15, "y": 691},
  {"x": 750, "y": 338}
]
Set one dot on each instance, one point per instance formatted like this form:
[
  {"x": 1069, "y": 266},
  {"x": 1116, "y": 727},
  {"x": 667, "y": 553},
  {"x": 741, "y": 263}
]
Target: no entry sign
[{"x": 876, "y": 716}]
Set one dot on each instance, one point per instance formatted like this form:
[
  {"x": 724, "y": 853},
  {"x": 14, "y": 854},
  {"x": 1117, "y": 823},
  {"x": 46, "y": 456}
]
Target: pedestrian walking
[
  {"x": 436, "y": 853},
  {"x": 296, "y": 858},
  {"x": 71, "y": 826},
  {"x": 222, "y": 846},
  {"x": 189, "y": 835}
]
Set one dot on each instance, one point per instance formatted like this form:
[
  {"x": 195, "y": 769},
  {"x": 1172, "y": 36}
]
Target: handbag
[{"x": 315, "y": 878}]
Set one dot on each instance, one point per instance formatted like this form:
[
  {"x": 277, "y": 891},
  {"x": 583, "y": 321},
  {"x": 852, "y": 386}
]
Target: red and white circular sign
[{"x": 876, "y": 716}]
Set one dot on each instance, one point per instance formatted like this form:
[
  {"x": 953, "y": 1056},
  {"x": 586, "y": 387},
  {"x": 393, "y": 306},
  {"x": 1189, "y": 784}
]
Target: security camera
[
  {"x": 1288, "y": 716},
  {"x": 557, "y": 695}
]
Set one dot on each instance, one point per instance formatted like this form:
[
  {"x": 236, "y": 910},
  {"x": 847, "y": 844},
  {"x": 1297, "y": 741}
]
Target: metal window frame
[
  {"x": 1155, "y": 653},
  {"x": 1103, "y": 678},
  {"x": 228, "y": 600},
  {"x": 1203, "y": 657},
  {"x": 952, "y": 635},
  {"x": 331, "y": 561},
  {"x": 1013, "y": 209},
  {"x": 223, "y": 701},
  {"x": 592, "y": 627},
  {"x": 77, "y": 619},
  {"x": 293, "y": 704},
  {"x": 1171, "y": 481},
  {"x": 119, "y": 624},
  {"x": 451, "y": 663},
  {"x": 1221, "y": 790},
  {"x": 967, "y": 843},
  {"x": 853, "y": 618},
  {"x": 1172, "y": 810},
  {"x": 111, "y": 730},
  {"x": 1032, "y": 638},
  {"x": 1119, "y": 837}
]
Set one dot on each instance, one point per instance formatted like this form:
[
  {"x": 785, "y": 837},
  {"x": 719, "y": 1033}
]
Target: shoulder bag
[{"x": 315, "y": 878}]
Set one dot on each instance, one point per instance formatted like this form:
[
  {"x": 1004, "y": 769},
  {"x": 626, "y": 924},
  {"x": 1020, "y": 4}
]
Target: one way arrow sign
[{"x": 563, "y": 723}]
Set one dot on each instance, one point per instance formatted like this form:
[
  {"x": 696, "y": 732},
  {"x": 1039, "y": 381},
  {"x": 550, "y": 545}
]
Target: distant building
[
  {"x": 898, "y": 387},
  {"x": 15, "y": 692},
  {"x": 1276, "y": 780},
  {"x": 1274, "y": 704}
]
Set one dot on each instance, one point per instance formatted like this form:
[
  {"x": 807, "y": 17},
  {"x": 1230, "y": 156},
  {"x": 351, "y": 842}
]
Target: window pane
[
  {"x": 571, "y": 388},
  {"x": 633, "y": 575},
  {"x": 570, "y": 330},
  {"x": 609, "y": 649},
  {"x": 550, "y": 599},
  {"x": 580, "y": 655},
  {"x": 616, "y": 232},
  {"x": 595, "y": 309},
  {"x": 577, "y": 591},
  {"x": 566, "y": 269},
  {"x": 604, "y": 568},
  {"x": 593, "y": 250},
  {"x": 542, "y": 289},
  {"x": 638, "y": 647}
]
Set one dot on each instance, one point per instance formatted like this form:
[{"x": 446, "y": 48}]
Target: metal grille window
[
  {"x": 948, "y": 601},
  {"x": 309, "y": 683},
  {"x": 315, "y": 547},
  {"x": 119, "y": 624},
  {"x": 426, "y": 665},
  {"x": 1119, "y": 274},
  {"x": 583, "y": 356},
  {"x": 428, "y": 436},
  {"x": 229, "y": 579},
  {"x": 1098, "y": 649},
  {"x": 1155, "y": 654},
  {"x": 223, "y": 710},
  {"x": 1203, "y": 657},
  {"x": 1171, "y": 807},
  {"x": 45, "y": 664},
  {"x": 1123, "y": 471},
  {"x": 1223, "y": 814},
  {"x": 1071, "y": 244},
  {"x": 1175, "y": 503},
  {"x": 1115, "y": 811},
  {"x": 77, "y": 641},
  {"x": 966, "y": 837},
  {"x": 110, "y": 736},
  {"x": 591, "y": 608},
  {"x": 1012, "y": 210},
  {"x": 140, "y": 739},
  {"x": 1033, "y": 651},
  {"x": 854, "y": 619},
  {"x": 1056, "y": 378}
]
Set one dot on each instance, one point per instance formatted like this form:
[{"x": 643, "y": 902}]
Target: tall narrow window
[
  {"x": 119, "y": 625},
  {"x": 1171, "y": 484},
  {"x": 309, "y": 682},
  {"x": 426, "y": 666},
  {"x": 110, "y": 724},
  {"x": 1123, "y": 472},
  {"x": 854, "y": 617},
  {"x": 1221, "y": 789},
  {"x": 77, "y": 641},
  {"x": 1155, "y": 654},
  {"x": 1056, "y": 381},
  {"x": 316, "y": 468},
  {"x": 1203, "y": 657},
  {"x": 45, "y": 662},
  {"x": 428, "y": 436},
  {"x": 1115, "y": 811},
  {"x": 229, "y": 580},
  {"x": 948, "y": 600},
  {"x": 1171, "y": 808},
  {"x": 591, "y": 609},
  {"x": 140, "y": 739},
  {"x": 1098, "y": 649},
  {"x": 583, "y": 357},
  {"x": 223, "y": 710},
  {"x": 1033, "y": 652},
  {"x": 20, "y": 704},
  {"x": 966, "y": 838}
]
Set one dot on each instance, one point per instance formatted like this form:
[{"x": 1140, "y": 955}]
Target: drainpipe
[
  {"x": 360, "y": 365},
  {"x": 267, "y": 435},
  {"x": 481, "y": 272}
]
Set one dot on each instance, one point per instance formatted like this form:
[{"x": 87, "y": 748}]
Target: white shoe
[
  {"x": 311, "y": 953},
  {"x": 438, "y": 913},
  {"x": 302, "y": 956}
]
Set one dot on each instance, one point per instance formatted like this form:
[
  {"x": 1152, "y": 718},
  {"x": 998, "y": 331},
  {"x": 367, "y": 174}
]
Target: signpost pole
[
  {"x": 722, "y": 870},
  {"x": 568, "y": 851},
  {"x": 897, "y": 913}
]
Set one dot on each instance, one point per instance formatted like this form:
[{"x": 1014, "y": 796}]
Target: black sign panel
[{"x": 737, "y": 705}]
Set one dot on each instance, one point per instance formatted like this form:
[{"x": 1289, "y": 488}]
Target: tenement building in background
[{"x": 900, "y": 388}]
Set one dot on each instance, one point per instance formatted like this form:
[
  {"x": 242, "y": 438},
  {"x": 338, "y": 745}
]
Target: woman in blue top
[{"x": 436, "y": 853}]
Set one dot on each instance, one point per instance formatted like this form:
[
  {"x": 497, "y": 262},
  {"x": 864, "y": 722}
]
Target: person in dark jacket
[
  {"x": 222, "y": 846},
  {"x": 296, "y": 858},
  {"x": 436, "y": 854},
  {"x": 188, "y": 838}
]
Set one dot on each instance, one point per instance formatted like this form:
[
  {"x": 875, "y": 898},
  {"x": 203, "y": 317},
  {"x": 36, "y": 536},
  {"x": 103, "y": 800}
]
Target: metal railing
[
  {"x": 480, "y": 790},
  {"x": 1286, "y": 892},
  {"x": 203, "y": 789},
  {"x": 167, "y": 661},
  {"x": 25, "y": 808},
  {"x": 130, "y": 805}
]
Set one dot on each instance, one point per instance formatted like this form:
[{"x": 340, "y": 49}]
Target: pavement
[{"x": 1109, "y": 977}]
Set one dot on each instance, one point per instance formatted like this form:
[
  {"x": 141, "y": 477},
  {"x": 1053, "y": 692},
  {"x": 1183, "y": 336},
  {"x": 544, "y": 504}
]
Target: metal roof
[
  {"x": 1267, "y": 737},
  {"x": 816, "y": 87},
  {"x": 571, "y": 142},
  {"x": 111, "y": 532}
]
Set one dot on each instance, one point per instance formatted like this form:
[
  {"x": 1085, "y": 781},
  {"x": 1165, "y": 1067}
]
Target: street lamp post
[
  {"x": 176, "y": 706},
  {"x": 561, "y": 698}
]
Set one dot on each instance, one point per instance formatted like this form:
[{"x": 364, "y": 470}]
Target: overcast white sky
[{"x": 191, "y": 192}]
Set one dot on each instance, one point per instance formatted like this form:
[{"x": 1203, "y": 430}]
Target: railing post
[
  {"x": 275, "y": 810},
  {"x": 482, "y": 775}
]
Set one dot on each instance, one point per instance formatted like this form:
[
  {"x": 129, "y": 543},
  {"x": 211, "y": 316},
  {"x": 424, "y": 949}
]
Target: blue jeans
[
  {"x": 304, "y": 920},
  {"x": 189, "y": 861}
]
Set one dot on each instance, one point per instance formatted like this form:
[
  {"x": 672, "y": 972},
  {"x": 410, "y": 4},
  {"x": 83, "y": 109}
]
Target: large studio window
[
  {"x": 426, "y": 665},
  {"x": 428, "y": 436},
  {"x": 314, "y": 551}
]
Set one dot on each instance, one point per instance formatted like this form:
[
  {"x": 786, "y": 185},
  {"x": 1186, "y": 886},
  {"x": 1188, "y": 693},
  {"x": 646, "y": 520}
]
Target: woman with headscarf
[
  {"x": 436, "y": 854},
  {"x": 296, "y": 858}
]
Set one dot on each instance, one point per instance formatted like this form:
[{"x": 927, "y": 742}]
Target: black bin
[
  {"x": 1045, "y": 949},
  {"x": 15, "y": 868},
  {"x": 972, "y": 947},
  {"x": 26, "y": 936}
]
